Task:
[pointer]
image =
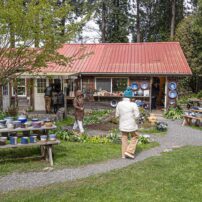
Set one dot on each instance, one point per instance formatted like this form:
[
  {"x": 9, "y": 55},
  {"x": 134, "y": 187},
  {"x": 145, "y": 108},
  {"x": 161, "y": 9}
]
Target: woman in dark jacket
[{"x": 79, "y": 111}]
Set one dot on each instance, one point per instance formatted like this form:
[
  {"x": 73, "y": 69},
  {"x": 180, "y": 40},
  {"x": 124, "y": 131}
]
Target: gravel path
[{"x": 177, "y": 136}]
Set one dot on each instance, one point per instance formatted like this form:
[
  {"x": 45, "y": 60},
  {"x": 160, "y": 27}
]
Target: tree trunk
[
  {"x": 138, "y": 21},
  {"x": 103, "y": 23},
  {"x": 172, "y": 27},
  {"x": 12, "y": 36}
]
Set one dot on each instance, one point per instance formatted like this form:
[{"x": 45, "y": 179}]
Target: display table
[
  {"x": 188, "y": 118},
  {"x": 46, "y": 146}
]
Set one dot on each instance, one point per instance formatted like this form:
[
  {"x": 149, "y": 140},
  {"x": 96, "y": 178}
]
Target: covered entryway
[{"x": 5, "y": 97}]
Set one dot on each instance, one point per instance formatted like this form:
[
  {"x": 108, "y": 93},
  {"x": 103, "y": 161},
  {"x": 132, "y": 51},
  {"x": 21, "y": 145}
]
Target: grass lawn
[
  {"x": 197, "y": 127},
  {"x": 67, "y": 154},
  {"x": 152, "y": 130},
  {"x": 174, "y": 176}
]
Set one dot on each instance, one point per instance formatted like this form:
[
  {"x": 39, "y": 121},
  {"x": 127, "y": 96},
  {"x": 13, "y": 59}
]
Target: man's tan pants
[
  {"x": 130, "y": 148},
  {"x": 47, "y": 104}
]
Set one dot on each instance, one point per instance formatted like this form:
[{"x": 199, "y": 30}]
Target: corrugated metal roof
[{"x": 124, "y": 58}]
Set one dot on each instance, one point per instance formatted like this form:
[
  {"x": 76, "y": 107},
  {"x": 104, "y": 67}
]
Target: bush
[
  {"x": 143, "y": 140},
  {"x": 161, "y": 126},
  {"x": 174, "y": 113}
]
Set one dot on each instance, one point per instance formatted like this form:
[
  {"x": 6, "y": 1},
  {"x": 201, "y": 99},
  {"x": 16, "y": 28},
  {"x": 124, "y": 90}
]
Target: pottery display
[
  {"x": 134, "y": 86},
  {"x": 24, "y": 140},
  {"x": 3, "y": 140},
  {"x": 172, "y": 94},
  {"x": 10, "y": 126},
  {"x": 172, "y": 85},
  {"x": 22, "y": 119},
  {"x": 48, "y": 124},
  {"x": 8, "y": 119},
  {"x": 33, "y": 139},
  {"x": 140, "y": 92},
  {"x": 52, "y": 137},
  {"x": 3, "y": 122},
  {"x": 43, "y": 137},
  {"x": 172, "y": 102},
  {"x": 13, "y": 140},
  {"x": 36, "y": 124},
  {"x": 17, "y": 124},
  {"x": 144, "y": 85}
]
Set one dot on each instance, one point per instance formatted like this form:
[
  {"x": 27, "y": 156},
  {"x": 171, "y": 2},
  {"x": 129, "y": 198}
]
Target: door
[
  {"x": 39, "y": 87},
  {"x": 6, "y": 97}
]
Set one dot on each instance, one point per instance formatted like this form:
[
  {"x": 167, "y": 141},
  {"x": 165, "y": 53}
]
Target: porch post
[
  {"x": 166, "y": 92},
  {"x": 150, "y": 94}
]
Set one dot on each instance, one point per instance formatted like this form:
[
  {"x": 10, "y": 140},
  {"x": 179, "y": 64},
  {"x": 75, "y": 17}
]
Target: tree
[
  {"x": 112, "y": 17},
  {"x": 28, "y": 23},
  {"x": 189, "y": 34}
]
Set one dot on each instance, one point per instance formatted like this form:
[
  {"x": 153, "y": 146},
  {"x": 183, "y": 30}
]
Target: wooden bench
[
  {"x": 188, "y": 120},
  {"x": 46, "y": 148}
]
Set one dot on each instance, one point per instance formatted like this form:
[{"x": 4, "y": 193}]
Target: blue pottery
[
  {"x": 13, "y": 140},
  {"x": 32, "y": 139},
  {"x": 24, "y": 140},
  {"x": 52, "y": 137}
]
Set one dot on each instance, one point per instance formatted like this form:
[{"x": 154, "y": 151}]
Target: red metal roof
[{"x": 165, "y": 58}]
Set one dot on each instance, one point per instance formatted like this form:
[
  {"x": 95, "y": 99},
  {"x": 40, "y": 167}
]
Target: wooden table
[
  {"x": 46, "y": 146},
  {"x": 188, "y": 120}
]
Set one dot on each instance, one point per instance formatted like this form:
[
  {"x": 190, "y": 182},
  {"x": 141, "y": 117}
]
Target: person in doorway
[
  {"x": 155, "y": 93},
  {"x": 47, "y": 98},
  {"x": 127, "y": 112},
  {"x": 55, "y": 101},
  {"x": 78, "y": 104}
]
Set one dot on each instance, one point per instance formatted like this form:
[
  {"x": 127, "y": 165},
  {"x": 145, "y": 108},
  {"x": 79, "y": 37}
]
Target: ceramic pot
[
  {"x": 152, "y": 119},
  {"x": 22, "y": 119},
  {"x": 13, "y": 140},
  {"x": 33, "y": 139},
  {"x": 52, "y": 137},
  {"x": 3, "y": 140},
  {"x": 43, "y": 138},
  {"x": 24, "y": 140}
]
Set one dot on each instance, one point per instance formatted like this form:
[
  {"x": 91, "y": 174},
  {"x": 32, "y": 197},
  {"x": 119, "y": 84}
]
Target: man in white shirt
[{"x": 127, "y": 112}]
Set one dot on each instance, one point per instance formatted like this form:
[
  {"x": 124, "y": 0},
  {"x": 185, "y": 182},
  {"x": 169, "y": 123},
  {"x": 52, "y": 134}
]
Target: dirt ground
[{"x": 103, "y": 126}]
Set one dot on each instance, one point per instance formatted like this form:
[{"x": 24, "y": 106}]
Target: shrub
[
  {"x": 161, "y": 126},
  {"x": 174, "y": 113}
]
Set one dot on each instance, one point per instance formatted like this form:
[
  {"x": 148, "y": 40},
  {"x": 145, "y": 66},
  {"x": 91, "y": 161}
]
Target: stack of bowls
[{"x": 52, "y": 137}]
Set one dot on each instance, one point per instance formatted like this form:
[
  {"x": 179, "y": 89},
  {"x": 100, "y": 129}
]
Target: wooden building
[{"x": 103, "y": 71}]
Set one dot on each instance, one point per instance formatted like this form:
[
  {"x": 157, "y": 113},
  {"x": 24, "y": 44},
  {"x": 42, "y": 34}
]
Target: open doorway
[{"x": 158, "y": 92}]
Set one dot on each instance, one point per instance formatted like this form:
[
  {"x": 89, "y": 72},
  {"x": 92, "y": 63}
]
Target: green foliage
[
  {"x": 174, "y": 113},
  {"x": 189, "y": 35},
  {"x": 2, "y": 115},
  {"x": 25, "y": 24},
  {"x": 143, "y": 140},
  {"x": 199, "y": 95},
  {"x": 96, "y": 116}
]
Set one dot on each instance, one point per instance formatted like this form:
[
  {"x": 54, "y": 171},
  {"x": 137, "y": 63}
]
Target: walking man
[
  {"x": 47, "y": 98},
  {"x": 79, "y": 111},
  {"x": 127, "y": 112}
]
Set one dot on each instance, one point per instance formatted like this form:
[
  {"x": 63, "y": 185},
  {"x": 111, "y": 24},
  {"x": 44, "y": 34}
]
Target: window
[
  {"x": 41, "y": 85},
  {"x": 103, "y": 84},
  {"x": 20, "y": 87},
  {"x": 119, "y": 84}
]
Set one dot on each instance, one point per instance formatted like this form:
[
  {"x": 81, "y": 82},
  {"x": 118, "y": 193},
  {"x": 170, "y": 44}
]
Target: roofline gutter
[{"x": 136, "y": 74}]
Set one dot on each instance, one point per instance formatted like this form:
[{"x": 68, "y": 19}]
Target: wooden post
[
  {"x": 150, "y": 94},
  {"x": 50, "y": 155}
]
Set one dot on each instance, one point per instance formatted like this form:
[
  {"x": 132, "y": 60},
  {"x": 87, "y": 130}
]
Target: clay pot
[{"x": 152, "y": 119}]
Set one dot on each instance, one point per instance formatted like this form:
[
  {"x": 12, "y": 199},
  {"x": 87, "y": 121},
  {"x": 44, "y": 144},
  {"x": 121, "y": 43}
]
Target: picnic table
[
  {"x": 46, "y": 146},
  {"x": 188, "y": 118},
  {"x": 194, "y": 102}
]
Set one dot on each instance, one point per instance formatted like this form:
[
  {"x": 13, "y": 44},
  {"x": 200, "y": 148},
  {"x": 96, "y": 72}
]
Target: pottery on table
[
  {"x": 3, "y": 140},
  {"x": 3, "y": 122},
  {"x": 52, "y": 137},
  {"x": 17, "y": 124},
  {"x": 8, "y": 119},
  {"x": 13, "y": 140},
  {"x": 36, "y": 124},
  {"x": 10, "y": 126},
  {"x": 22, "y": 118},
  {"x": 24, "y": 140},
  {"x": 43, "y": 138},
  {"x": 33, "y": 139}
]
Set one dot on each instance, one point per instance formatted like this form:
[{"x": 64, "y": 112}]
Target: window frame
[
  {"x": 40, "y": 86},
  {"x": 111, "y": 79},
  {"x": 25, "y": 87}
]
